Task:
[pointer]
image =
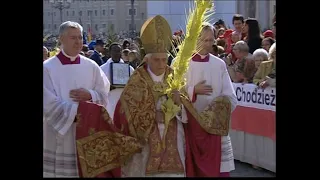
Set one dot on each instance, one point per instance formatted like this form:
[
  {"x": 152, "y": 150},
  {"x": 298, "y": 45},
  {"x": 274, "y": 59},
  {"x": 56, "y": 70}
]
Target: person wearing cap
[
  {"x": 268, "y": 33},
  {"x": 208, "y": 152},
  {"x": 138, "y": 112},
  {"x": 99, "y": 48}
]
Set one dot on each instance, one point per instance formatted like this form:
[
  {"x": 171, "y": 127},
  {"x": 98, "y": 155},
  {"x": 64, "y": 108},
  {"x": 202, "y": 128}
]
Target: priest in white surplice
[
  {"x": 68, "y": 78},
  {"x": 208, "y": 81},
  {"x": 114, "y": 94}
]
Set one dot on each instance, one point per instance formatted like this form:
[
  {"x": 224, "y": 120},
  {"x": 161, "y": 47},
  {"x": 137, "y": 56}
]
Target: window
[
  {"x": 96, "y": 13},
  {"x": 104, "y": 12},
  {"x": 88, "y": 13},
  {"x": 111, "y": 11},
  {"x": 104, "y": 26},
  {"x": 67, "y": 13},
  {"x": 55, "y": 26},
  {"x": 48, "y": 13},
  {"x": 72, "y": 13},
  {"x": 54, "y": 13},
  {"x": 130, "y": 26},
  {"x": 88, "y": 27},
  {"x": 80, "y": 13},
  {"x": 96, "y": 27},
  {"x": 49, "y": 26},
  {"x": 112, "y": 27},
  {"x": 130, "y": 12}
]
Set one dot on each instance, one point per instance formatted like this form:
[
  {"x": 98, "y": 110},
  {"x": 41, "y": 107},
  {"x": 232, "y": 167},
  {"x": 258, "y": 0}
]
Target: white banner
[{"x": 249, "y": 95}]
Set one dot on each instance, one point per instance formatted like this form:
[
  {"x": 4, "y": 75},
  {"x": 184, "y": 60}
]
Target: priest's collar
[
  {"x": 155, "y": 77},
  {"x": 111, "y": 61},
  {"x": 66, "y": 59},
  {"x": 201, "y": 58}
]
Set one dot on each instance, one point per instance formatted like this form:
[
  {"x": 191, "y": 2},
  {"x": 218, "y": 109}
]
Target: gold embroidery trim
[
  {"x": 138, "y": 100},
  {"x": 215, "y": 118},
  {"x": 168, "y": 160},
  {"x": 104, "y": 151}
]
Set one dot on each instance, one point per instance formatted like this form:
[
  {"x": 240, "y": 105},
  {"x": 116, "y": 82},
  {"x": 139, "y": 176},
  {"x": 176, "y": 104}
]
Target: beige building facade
[
  {"x": 97, "y": 15},
  {"x": 262, "y": 10}
]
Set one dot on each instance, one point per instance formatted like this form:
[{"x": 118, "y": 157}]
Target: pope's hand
[
  {"x": 202, "y": 88},
  {"x": 176, "y": 97},
  {"x": 80, "y": 95}
]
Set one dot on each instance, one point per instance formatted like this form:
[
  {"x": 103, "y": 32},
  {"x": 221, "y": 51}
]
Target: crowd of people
[
  {"x": 244, "y": 49},
  {"x": 249, "y": 54},
  {"x": 71, "y": 91}
]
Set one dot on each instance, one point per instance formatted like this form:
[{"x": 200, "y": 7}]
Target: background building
[
  {"x": 103, "y": 15},
  {"x": 262, "y": 10},
  {"x": 97, "y": 15},
  {"x": 174, "y": 11}
]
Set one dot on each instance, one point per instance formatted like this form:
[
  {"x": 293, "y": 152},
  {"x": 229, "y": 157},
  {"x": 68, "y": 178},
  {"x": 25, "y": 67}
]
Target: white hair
[
  {"x": 242, "y": 46},
  {"x": 207, "y": 24},
  {"x": 45, "y": 48},
  {"x": 261, "y": 53},
  {"x": 69, "y": 24}
]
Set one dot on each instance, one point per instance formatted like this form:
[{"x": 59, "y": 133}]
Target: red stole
[
  {"x": 203, "y": 150},
  {"x": 101, "y": 148},
  {"x": 65, "y": 60},
  {"x": 91, "y": 121}
]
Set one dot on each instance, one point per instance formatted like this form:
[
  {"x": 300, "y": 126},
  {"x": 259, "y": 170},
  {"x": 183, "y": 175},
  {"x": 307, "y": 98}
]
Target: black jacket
[
  {"x": 254, "y": 44},
  {"x": 97, "y": 58}
]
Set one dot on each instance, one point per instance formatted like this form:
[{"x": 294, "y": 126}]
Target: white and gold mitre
[{"x": 156, "y": 35}]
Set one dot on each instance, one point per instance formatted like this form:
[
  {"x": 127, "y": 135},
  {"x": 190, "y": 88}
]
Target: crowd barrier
[{"x": 252, "y": 130}]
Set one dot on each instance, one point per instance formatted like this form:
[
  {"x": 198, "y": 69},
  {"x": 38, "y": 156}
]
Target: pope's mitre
[{"x": 156, "y": 35}]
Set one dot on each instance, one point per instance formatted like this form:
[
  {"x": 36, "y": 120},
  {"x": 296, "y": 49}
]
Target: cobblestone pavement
[{"x": 246, "y": 170}]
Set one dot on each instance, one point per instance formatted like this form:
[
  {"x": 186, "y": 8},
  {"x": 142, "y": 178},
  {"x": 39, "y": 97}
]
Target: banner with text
[{"x": 255, "y": 112}]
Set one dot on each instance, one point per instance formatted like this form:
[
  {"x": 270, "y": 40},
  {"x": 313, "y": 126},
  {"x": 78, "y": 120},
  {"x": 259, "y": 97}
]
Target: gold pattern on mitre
[{"x": 156, "y": 35}]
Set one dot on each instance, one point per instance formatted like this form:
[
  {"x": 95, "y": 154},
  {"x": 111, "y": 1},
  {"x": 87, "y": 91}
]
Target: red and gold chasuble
[
  {"x": 101, "y": 149},
  {"x": 135, "y": 115}
]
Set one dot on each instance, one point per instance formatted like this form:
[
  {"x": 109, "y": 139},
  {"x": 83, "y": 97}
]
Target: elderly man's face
[
  {"x": 158, "y": 63},
  {"x": 71, "y": 41},
  {"x": 45, "y": 54}
]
